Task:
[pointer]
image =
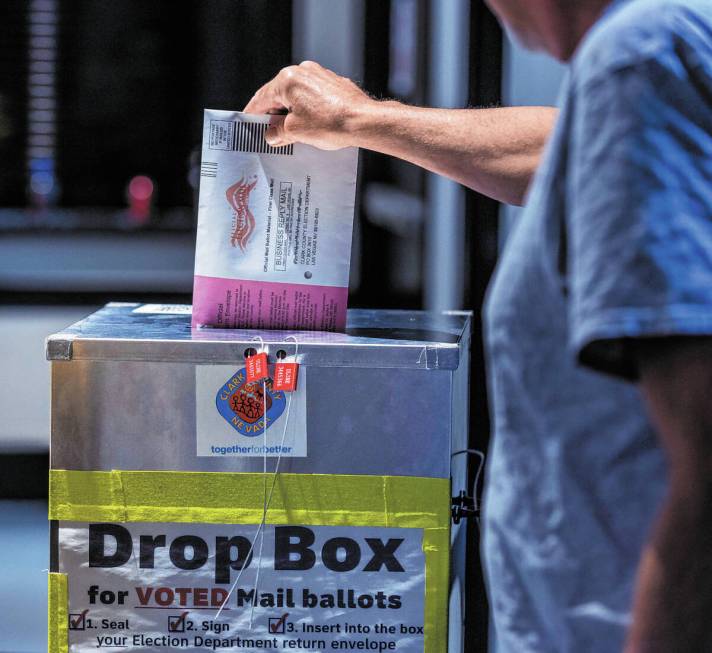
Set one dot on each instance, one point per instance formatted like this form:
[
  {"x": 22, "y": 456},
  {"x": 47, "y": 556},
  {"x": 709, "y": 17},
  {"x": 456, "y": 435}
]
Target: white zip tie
[{"x": 260, "y": 528}]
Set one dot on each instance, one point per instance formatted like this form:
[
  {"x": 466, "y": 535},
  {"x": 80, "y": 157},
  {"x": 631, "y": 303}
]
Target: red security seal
[
  {"x": 285, "y": 376},
  {"x": 256, "y": 367}
]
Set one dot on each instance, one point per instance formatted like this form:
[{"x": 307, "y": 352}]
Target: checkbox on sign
[
  {"x": 78, "y": 620},
  {"x": 276, "y": 624},
  {"x": 176, "y": 623}
]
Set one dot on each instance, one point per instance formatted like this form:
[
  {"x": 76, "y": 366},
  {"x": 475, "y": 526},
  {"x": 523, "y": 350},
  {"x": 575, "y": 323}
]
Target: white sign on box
[
  {"x": 158, "y": 586},
  {"x": 274, "y": 229}
]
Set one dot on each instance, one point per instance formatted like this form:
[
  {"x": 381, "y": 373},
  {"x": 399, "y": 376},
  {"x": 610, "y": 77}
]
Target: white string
[
  {"x": 268, "y": 500},
  {"x": 264, "y": 500},
  {"x": 423, "y": 357},
  {"x": 264, "y": 490},
  {"x": 260, "y": 528},
  {"x": 264, "y": 465}
]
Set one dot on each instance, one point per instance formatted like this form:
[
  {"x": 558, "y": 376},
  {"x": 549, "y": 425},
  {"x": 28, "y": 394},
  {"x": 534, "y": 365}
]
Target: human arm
[
  {"x": 493, "y": 151},
  {"x": 673, "y": 596}
]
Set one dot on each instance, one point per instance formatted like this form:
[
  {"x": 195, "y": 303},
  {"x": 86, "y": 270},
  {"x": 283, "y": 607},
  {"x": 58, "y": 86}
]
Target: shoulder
[{"x": 638, "y": 33}]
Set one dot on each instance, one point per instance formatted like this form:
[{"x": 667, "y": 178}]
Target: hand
[{"x": 321, "y": 107}]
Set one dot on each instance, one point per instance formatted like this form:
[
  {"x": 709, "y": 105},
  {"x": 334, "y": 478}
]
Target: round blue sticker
[{"x": 242, "y": 404}]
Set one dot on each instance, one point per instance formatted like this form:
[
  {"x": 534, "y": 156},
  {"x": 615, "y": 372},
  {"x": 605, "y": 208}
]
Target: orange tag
[
  {"x": 285, "y": 376},
  {"x": 256, "y": 367}
]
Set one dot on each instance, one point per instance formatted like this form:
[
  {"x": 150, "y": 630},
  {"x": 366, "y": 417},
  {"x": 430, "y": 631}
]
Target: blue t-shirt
[{"x": 615, "y": 244}]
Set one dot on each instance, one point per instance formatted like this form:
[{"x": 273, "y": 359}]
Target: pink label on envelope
[{"x": 238, "y": 304}]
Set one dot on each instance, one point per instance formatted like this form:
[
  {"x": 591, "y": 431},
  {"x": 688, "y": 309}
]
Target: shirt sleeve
[{"x": 639, "y": 210}]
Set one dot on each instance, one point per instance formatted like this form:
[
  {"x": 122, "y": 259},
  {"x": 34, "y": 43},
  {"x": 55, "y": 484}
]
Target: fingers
[
  {"x": 276, "y": 134},
  {"x": 265, "y": 101},
  {"x": 271, "y": 98},
  {"x": 311, "y": 97},
  {"x": 274, "y": 97},
  {"x": 313, "y": 65},
  {"x": 284, "y": 130}
]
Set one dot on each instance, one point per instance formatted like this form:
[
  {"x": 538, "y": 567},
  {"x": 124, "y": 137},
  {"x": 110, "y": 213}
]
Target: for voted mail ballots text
[
  {"x": 274, "y": 229},
  {"x": 193, "y": 509}
]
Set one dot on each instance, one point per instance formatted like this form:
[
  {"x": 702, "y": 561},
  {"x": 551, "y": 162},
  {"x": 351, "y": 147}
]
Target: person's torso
[{"x": 576, "y": 473}]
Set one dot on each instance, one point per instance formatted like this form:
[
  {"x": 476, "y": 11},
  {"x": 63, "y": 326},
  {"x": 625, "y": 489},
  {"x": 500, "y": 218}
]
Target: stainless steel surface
[
  {"x": 124, "y": 396},
  {"x": 385, "y": 339},
  {"x": 136, "y": 415}
]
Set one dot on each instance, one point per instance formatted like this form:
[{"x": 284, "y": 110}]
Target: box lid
[{"x": 162, "y": 332}]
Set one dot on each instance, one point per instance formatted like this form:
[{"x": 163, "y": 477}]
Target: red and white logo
[{"x": 243, "y": 221}]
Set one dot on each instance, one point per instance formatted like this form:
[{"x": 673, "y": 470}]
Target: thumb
[{"x": 275, "y": 134}]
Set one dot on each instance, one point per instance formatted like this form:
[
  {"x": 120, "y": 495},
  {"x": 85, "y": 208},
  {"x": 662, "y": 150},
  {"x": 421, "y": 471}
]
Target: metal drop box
[{"x": 387, "y": 398}]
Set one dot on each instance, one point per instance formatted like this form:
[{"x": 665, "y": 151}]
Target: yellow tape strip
[
  {"x": 57, "y": 621},
  {"x": 436, "y": 545},
  {"x": 216, "y": 497},
  {"x": 309, "y": 499}
]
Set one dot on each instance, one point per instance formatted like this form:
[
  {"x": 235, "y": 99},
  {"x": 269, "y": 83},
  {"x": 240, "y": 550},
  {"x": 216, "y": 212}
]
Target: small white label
[
  {"x": 221, "y": 134},
  {"x": 230, "y": 414},
  {"x": 165, "y": 309}
]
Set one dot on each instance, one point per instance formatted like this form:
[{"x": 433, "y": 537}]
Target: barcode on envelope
[
  {"x": 243, "y": 137},
  {"x": 208, "y": 169}
]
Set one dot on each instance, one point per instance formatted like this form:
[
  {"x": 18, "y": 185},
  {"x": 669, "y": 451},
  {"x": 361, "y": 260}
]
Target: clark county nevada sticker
[{"x": 242, "y": 404}]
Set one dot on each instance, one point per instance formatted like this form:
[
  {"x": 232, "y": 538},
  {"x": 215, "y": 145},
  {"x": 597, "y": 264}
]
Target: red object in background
[
  {"x": 140, "y": 197},
  {"x": 256, "y": 367},
  {"x": 285, "y": 376}
]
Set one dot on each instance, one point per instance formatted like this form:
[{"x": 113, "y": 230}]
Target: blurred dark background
[{"x": 100, "y": 123}]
